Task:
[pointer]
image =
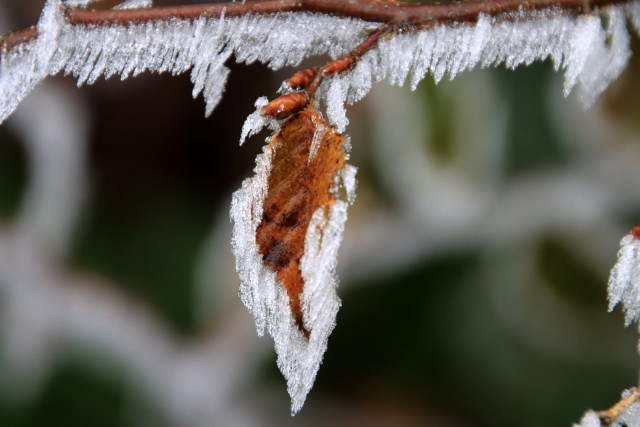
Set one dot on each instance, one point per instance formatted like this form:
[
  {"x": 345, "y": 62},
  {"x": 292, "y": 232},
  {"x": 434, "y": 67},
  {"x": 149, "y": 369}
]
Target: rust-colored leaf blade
[{"x": 288, "y": 222}]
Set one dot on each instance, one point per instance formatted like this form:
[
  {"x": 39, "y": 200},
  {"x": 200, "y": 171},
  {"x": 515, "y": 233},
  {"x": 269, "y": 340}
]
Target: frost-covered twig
[
  {"x": 369, "y": 10},
  {"x": 624, "y": 282},
  {"x": 624, "y": 413},
  {"x": 588, "y": 40}
]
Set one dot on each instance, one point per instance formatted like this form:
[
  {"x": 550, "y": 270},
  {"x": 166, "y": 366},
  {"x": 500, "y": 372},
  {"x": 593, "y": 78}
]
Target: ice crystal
[
  {"x": 134, "y": 4},
  {"x": 255, "y": 122},
  {"x": 589, "y": 419},
  {"x": 127, "y": 4},
  {"x": 79, "y": 3},
  {"x": 630, "y": 417}
]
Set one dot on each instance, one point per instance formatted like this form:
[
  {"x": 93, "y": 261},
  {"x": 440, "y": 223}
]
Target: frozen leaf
[
  {"x": 624, "y": 281},
  {"x": 288, "y": 222}
]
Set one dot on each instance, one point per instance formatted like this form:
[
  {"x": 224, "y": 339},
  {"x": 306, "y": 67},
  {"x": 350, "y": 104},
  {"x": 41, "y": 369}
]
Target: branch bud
[
  {"x": 302, "y": 79},
  {"x": 285, "y": 105}
]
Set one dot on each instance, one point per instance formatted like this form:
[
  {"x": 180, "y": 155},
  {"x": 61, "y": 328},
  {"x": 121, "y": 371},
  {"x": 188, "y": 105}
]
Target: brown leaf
[{"x": 308, "y": 155}]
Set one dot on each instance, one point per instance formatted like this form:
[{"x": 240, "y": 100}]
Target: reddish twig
[
  {"x": 309, "y": 80},
  {"x": 11, "y": 40},
  {"x": 369, "y": 10},
  {"x": 347, "y": 61}
]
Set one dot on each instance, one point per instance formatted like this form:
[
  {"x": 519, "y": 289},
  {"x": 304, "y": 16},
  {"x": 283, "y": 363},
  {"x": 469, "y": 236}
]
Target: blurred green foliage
[{"x": 72, "y": 397}]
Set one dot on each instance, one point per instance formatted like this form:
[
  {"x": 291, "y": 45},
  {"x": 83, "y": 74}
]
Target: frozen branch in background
[
  {"x": 49, "y": 311},
  {"x": 624, "y": 282}
]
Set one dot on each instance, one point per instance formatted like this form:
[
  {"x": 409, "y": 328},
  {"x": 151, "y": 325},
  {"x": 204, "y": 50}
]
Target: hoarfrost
[
  {"x": 348, "y": 183},
  {"x": 128, "y": 4},
  {"x": 624, "y": 281},
  {"x": 298, "y": 358},
  {"x": 202, "y": 45},
  {"x": 630, "y": 417},
  {"x": 318, "y": 133},
  {"x": 257, "y": 283},
  {"x": 591, "y": 53},
  {"x": 590, "y": 419},
  {"x": 134, "y": 4},
  {"x": 80, "y": 3},
  {"x": 335, "y": 99},
  {"x": 255, "y": 121},
  {"x": 592, "y": 50}
]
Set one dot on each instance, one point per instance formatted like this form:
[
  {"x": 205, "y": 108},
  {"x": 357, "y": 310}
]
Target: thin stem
[
  {"x": 609, "y": 416},
  {"x": 347, "y": 61},
  {"x": 369, "y": 10},
  {"x": 309, "y": 80}
]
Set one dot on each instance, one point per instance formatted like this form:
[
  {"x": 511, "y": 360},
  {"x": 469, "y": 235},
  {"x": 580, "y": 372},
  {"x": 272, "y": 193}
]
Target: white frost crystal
[
  {"x": 255, "y": 121},
  {"x": 590, "y": 419},
  {"x": 134, "y": 4},
  {"x": 630, "y": 417},
  {"x": 624, "y": 281}
]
